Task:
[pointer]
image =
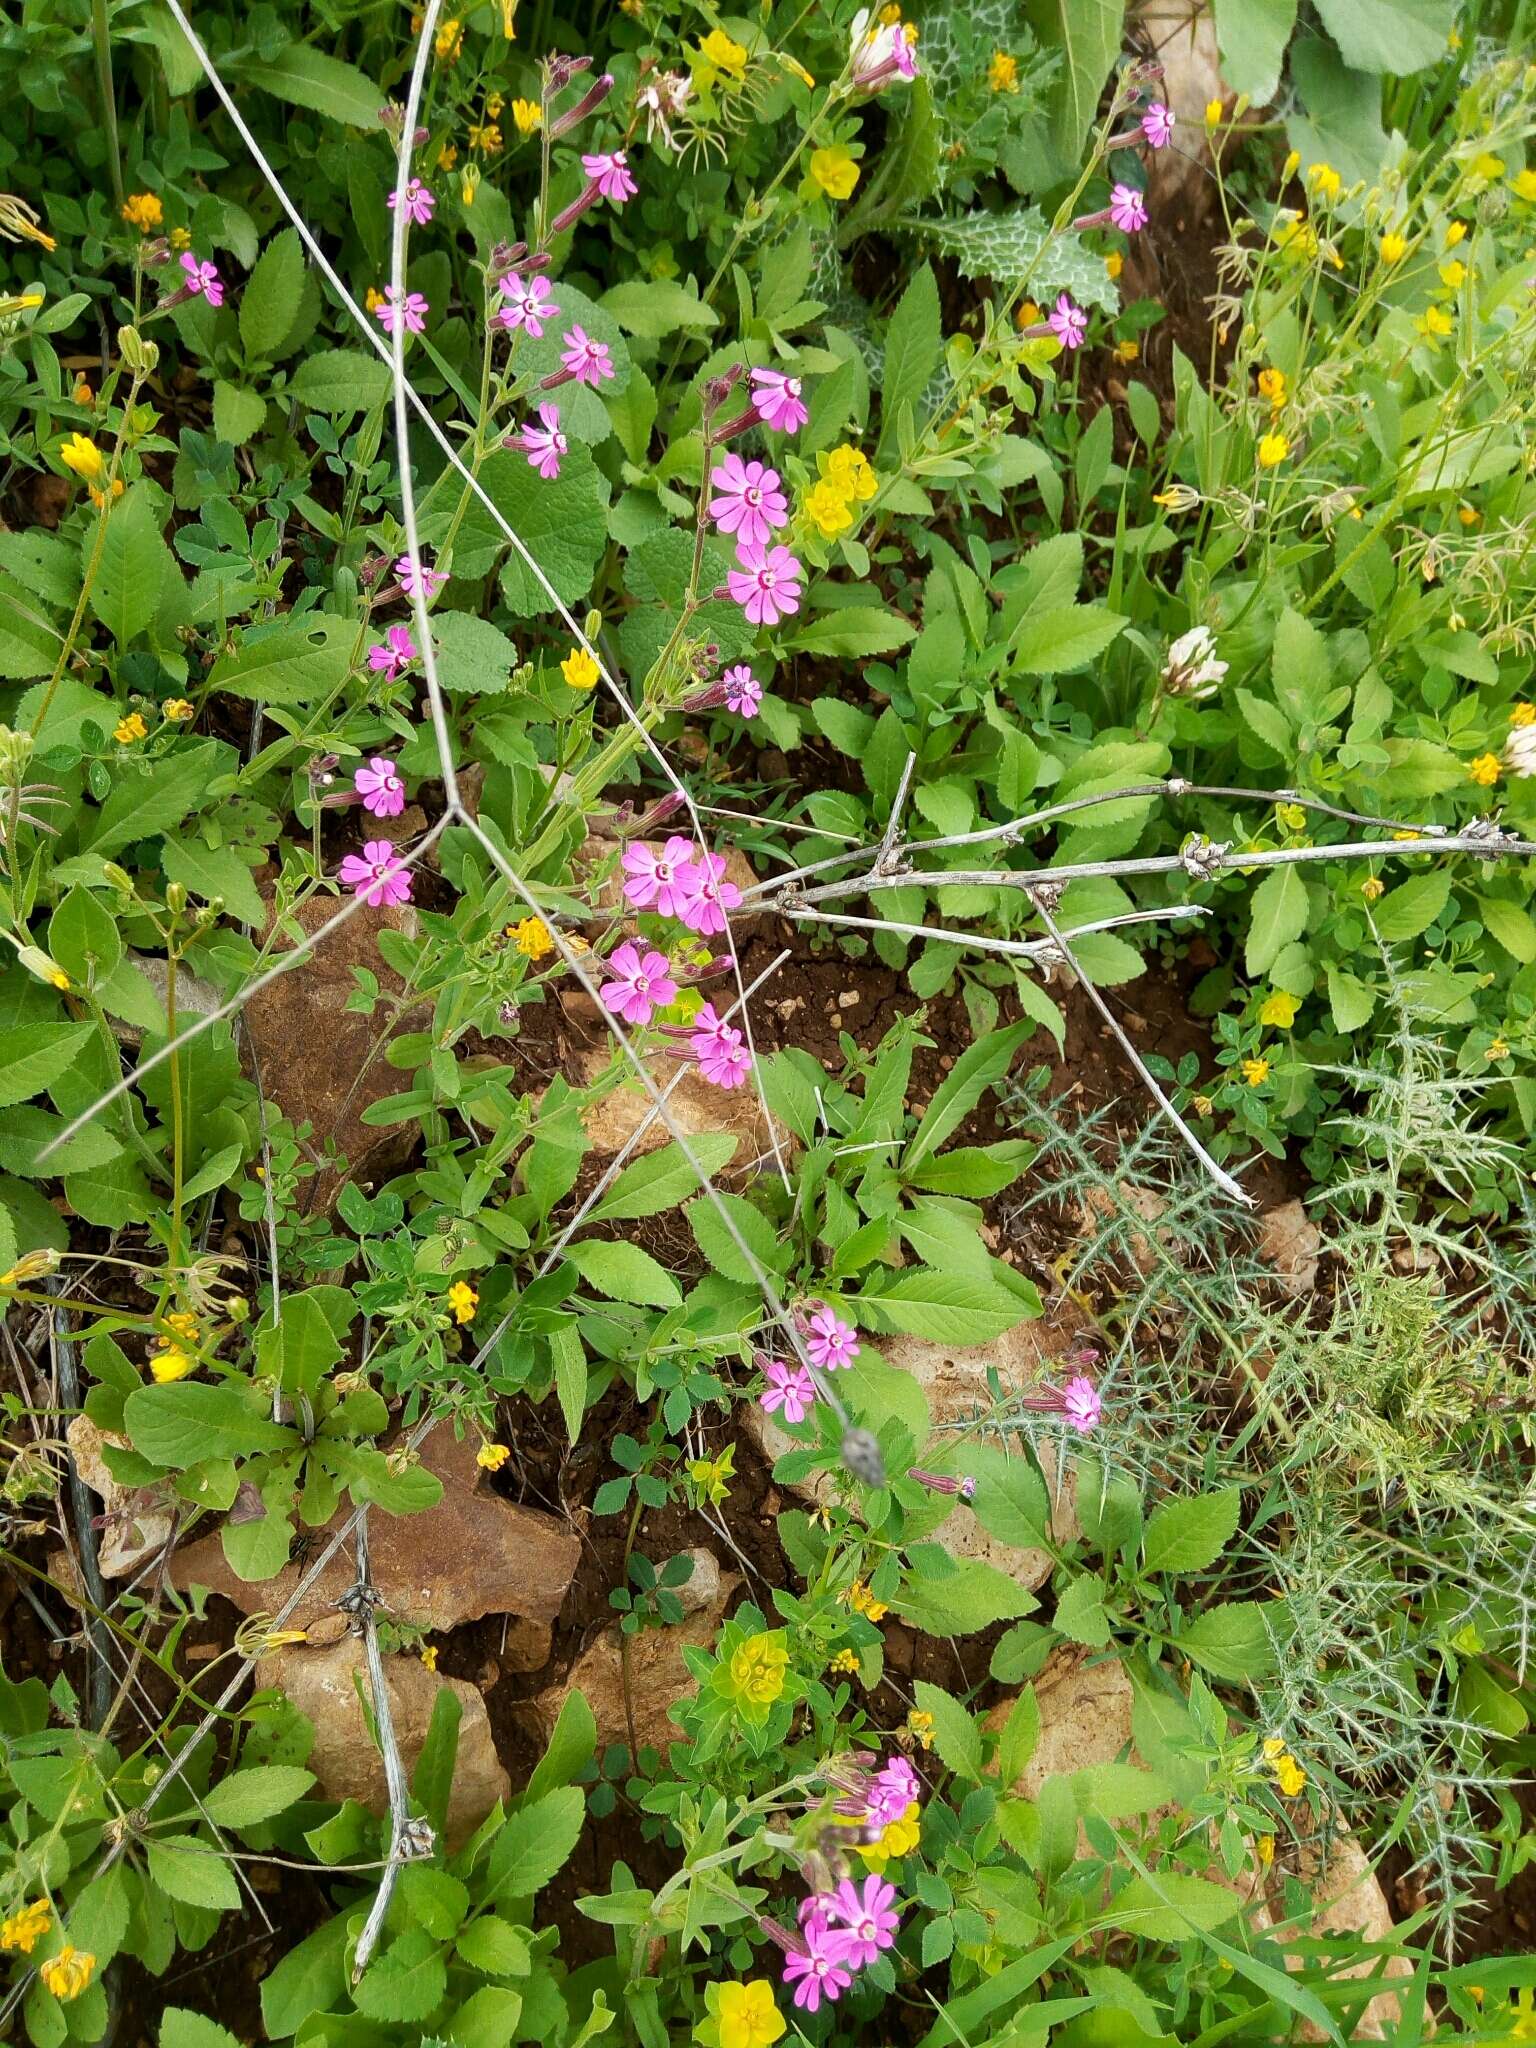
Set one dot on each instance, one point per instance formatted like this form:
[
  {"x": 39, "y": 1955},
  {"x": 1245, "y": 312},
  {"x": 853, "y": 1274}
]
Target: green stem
[{"x": 101, "y": 36}]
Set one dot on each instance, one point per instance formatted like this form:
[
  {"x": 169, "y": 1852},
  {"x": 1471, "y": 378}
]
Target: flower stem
[{"x": 101, "y": 36}]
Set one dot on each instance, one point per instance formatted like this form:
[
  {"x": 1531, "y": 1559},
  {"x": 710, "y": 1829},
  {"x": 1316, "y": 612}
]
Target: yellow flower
[
  {"x": 463, "y": 1300},
  {"x": 848, "y": 467},
  {"x": 579, "y": 669},
  {"x": 531, "y": 938},
  {"x": 1273, "y": 448},
  {"x": 1114, "y": 263},
  {"x": 129, "y": 729},
  {"x": 491, "y": 1457},
  {"x": 1202, "y": 1104},
  {"x": 1213, "y": 113},
  {"x": 1294, "y": 237},
  {"x": 486, "y": 137},
  {"x": 835, "y": 171},
  {"x": 1127, "y": 351},
  {"x": 81, "y": 454},
  {"x": 1272, "y": 387},
  {"x": 1254, "y": 1072},
  {"x": 920, "y": 1724},
  {"x": 721, "y": 54},
  {"x": 1274, "y": 1746},
  {"x": 757, "y": 1670},
  {"x": 1456, "y": 232},
  {"x": 862, "y": 1601},
  {"x": 1324, "y": 180},
  {"x": 469, "y": 184},
  {"x": 185, "y": 1326},
  {"x": 67, "y": 1974},
  {"x": 896, "y": 1838},
  {"x": 1279, "y": 1010},
  {"x": 1522, "y": 714},
  {"x": 1469, "y": 515},
  {"x": 25, "y": 1929},
  {"x": 509, "y": 19},
  {"x": 82, "y": 393},
  {"x": 1264, "y": 1848},
  {"x": 171, "y": 1363},
  {"x": 747, "y": 2016},
  {"x": 1484, "y": 771},
  {"x": 1373, "y": 888},
  {"x": 1290, "y": 167},
  {"x": 18, "y": 222},
  {"x": 712, "y": 1476},
  {"x": 176, "y": 709},
  {"x": 1292, "y": 817},
  {"x": 181, "y": 238},
  {"x": 1453, "y": 275},
  {"x": 1289, "y": 1775},
  {"x": 1498, "y": 1050},
  {"x": 845, "y": 1660},
  {"x": 1028, "y": 314},
  {"x": 429, "y": 1655},
  {"x": 1003, "y": 72},
  {"x": 373, "y": 298},
  {"x": 828, "y": 510},
  {"x": 1394, "y": 248},
  {"x": 1436, "y": 322},
  {"x": 527, "y": 116},
  {"x": 494, "y": 102},
  {"x": 142, "y": 210},
  {"x": 449, "y": 40},
  {"x": 1488, "y": 166},
  {"x": 99, "y": 498}
]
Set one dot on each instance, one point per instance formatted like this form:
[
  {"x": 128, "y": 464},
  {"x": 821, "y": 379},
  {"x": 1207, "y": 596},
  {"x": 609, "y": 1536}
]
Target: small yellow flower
[
  {"x": 920, "y": 1725},
  {"x": 1469, "y": 515},
  {"x": 129, "y": 729},
  {"x": 170, "y": 1364},
  {"x": 1373, "y": 888},
  {"x": 862, "y": 1601},
  {"x": 1127, "y": 351},
  {"x": 1290, "y": 167},
  {"x": 897, "y": 1838},
  {"x": 82, "y": 393},
  {"x": 1254, "y": 1072},
  {"x": 469, "y": 184},
  {"x": 1488, "y": 166},
  {"x": 81, "y": 454},
  {"x": 99, "y": 498},
  {"x": 1213, "y": 112},
  {"x": 1264, "y": 1848},
  {"x": 1394, "y": 248},
  {"x": 447, "y": 157},
  {"x": 1484, "y": 771},
  {"x": 1279, "y": 1010},
  {"x": 67, "y": 1974},
  {"x": 845, "y": 1660},
  {"x": 491, "y": 1457},
  {"x": 721, "y": 54},
  {"x": 1289, "y": 1776},
  {"x": 849, "y": 468},
  {"x": 1436, "y": 322},
  {"x": 757, "y": 1670},
  {"x": 1177, "y": 498},
  {"x": 177, "y": 709},
  {"x": 1274, "y": 1746},
  {"x": 746, "y": 2015},
  {"x": 527, "y": 116},
  {"x": 185, "y": 1326},
  {"x": 1114, "y": 263},
  {"x": 1522, "y": 714},
  {"x": 18, "y": 222},
  {"x": 181, "y": 238},
  {"x": 1324, "y": 180},
  {"x": 1272, "y": 387},
  {"x": 429, "y": 1655},
  {"x": 449, "y": 40},
  {"x": 463, "y": 1300},
  {"x": 1456, "y": 232},
  {"x": 1003, "y": 72},
  {"x": 142, "y": 210},
  {"x": 24, "y": 1930},
  {"x": 1498, "y": 1050},
  {"x": 1292, "y": 817},
  {"x": 828, "y": 510},
  {"x": 531, "y": 938},
  {"x": 1028, "y": 314},
  {"x": 486, "y": 137},
  {"x": 835, "y": 171},
  {"x": 1202, "y": 1104},
  {"x": 579, "y": 669},
  {"x": 1273, "y": 449},
  {"x": 1406, "y": 836},
  {"x": 1453, "y": 275}
]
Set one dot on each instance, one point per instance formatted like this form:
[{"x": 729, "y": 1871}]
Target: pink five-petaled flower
[
  {"x": 864, "y": 1912},
  {"x": 778, "y": 401},
  {"x": 641, "y": 983},
  {"x": 720, "y": 1049},
  {"x": 203, "y": 278},
  {"x": 821, "y": 1971},
  {"x": 1128, "y": 209},
  {"x": 377, "y": 874},
  {"x": 392, "y": 655},
  {"x": 586, "y": 360},
  {"x": 544, "y": 445},
  {"x": 708, "y": 896},
  {"x": 1068, "y": 322},
  {"x": 743, "y": 692},
  {"x": 829, "y": 1341},
  {"x": 610, "y": 174},
  {"x": 789, "y": 1387},
  {"x": 419, "y": 202},
  {"x": 750, "y": 503},
  {"x": 432, "y": 580},
  {"x": 1081, "y": 1405},
  {"x": 529, "y": 304},
  {"x": 767, "y": 585},
  {"x": 397, "y": 305},
  {"x": 382, "y": 791},
  {"x": 659, "y": 881},
  {"x": 1157, "y": 125},
  {"x": 895, "y": 1788}
]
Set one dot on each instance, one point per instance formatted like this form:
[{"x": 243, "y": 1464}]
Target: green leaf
[
  {"x": 534, "y": 1844},
  {"x": 1189, "y": 1535},
  {"x": 956, "y": 1736},
  {"x": 1514, "y": 928},
  {"x": 308, "y": 1979},
  {"x": 1051, "y": 643},
  {"x": 973, "y": 1596},
  {"x": 474, "y": 658},
  {"x": 1080, "y": 1612},
  {"x": 1169, "y": 1907},
  {"x": 563, "y": 524},
  {"x": 914, "y": 341},
  {"x": 656, "y": 307},
  {"x": 194, "y": 1872},
  {"x": 949, "y": 1308},
  {"x": 571, "y": 1747},
  {"x": 135, "y": 565},
  {"x": 182, "y": 1424},
  {"x": 1393, "y": 37},
  {"x": 571, "y": 1377},
  {"x": 111, "y": 1195},
  {"x": 852, "y": 631},
  {"x": 213, "y": 873},
  {"x": 1231, "y": 1642},
  {"x": 624, "y": 1272},
  {"x": 257, "y": 1794},
  {"x": 182, "y": 2029},
  {"x": 84, "y": 939},
  {"x": 1017, "y": 243},
  {"x": 1412, "y": 907},
  {"x": 291, "y": 663},
  {"x": 340, "y": 382},
  {"x": 662, "y": 1179},
  {"x": 495, "y": 1948},
  {"x": 1350, "y": 999},
  {"x": 34, "y": 1056},
  {"x": 271, "y": 303},
  {"x": 299, "y": 1350},
  {"x": 720, "y": 1248},
  {"x": 1087, "y": 33},
  {"x": 308, "y": 78},
  {"x": 405, "y": 1982},
  {"x": 980, "y": 1067},
  {"x": 1277, "y": 915},
  {"x": 238, "y": 413},
  {"x": 1020, "y": 1738}
]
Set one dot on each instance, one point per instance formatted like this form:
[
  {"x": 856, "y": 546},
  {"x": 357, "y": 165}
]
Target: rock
[
  {"x": 1085, "y": 1718},
  {"x": 526, "y": 1645},
  {"x": 473, "y": 1554},
  {"x": 1185, "y": 40},
  {"x": 658, "y": 1677},
  {"x": 705, "y": 1587},
  {"x": 137, "y": 1522},
  {"x": 695, "y": 1105},
  {"x": 955, "y": 1383},
  {"x": 323, "y": 1685},
  {"x": 1351, "y": 1901},
  {"x": 194, "y": 996},
  {"x": 309, "y": 1049},
  {"x": 1290, "y": 1242}
]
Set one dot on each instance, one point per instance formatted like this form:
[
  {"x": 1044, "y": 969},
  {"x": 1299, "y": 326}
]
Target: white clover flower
[{"x": 1191, "y": 667}]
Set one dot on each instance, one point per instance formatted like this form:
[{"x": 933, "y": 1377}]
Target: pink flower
[
  {"x": 1081, "y": 1405},
  {"x": 1128, "y": 209},
  {"x": 821, "y": 1972},
  {"x": 896, "y": 1787},
  {"x": 392, "y": 655},
  {"x": 659, "y": 881},
  {"x": 750, "y": 503},
  {"x": 778, "y": 401},
  {"x": 1068, "y": 322},
  {"x": 419, "y": 202},
  {"x": 432, "y": 580},
  {"x": 708, "y": 896},
  {"x": 720, "y": 1050},
  {"x": 767, "y": 585},
  {"x": 865, "y": 1912},
  {"x": 789, "y": 1387},
  {"x": 397, "y": 305},
  {"x": 640, "y": 984},
  {"x": 881, "y": 54},
  {"x": 586, "y": 360},
  {"x": 377, "y": 874},
  {"x": 610, "y": 174},
  {"x": 743, "y": 692},
  {"x": 529, "y": 304},
  {"x": 382, "y": 791},
  {"x": 944, "y": 1482},
  {"x": 830, "y": 1342},
  {"x": 544, "y": 445},
  {"x": 202, "y": 278},
  {"x": 1157, "y": 125}
]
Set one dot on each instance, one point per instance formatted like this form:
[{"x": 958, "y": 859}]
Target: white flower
[
  {"x": 1191, "y": 665},
  {"x": 664, "y": 95},
  {"x": 1520, "y": 750}
]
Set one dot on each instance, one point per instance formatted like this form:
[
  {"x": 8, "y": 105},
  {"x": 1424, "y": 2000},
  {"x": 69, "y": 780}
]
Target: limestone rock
[
  {"x": 1085, "y": 1718},
  {"x": 658, "y": 1677},
  {"x": 1291, "y": 1243},
  {"x": 1351, "y": 1901},
  {"x": 473, "y": 1554},
  {"x": 323, "y": 1685},
  {"x": 705, "y": 1588},
  {"x": 694, "y": 1106},
  {"x": 137, "y": 1522}
]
